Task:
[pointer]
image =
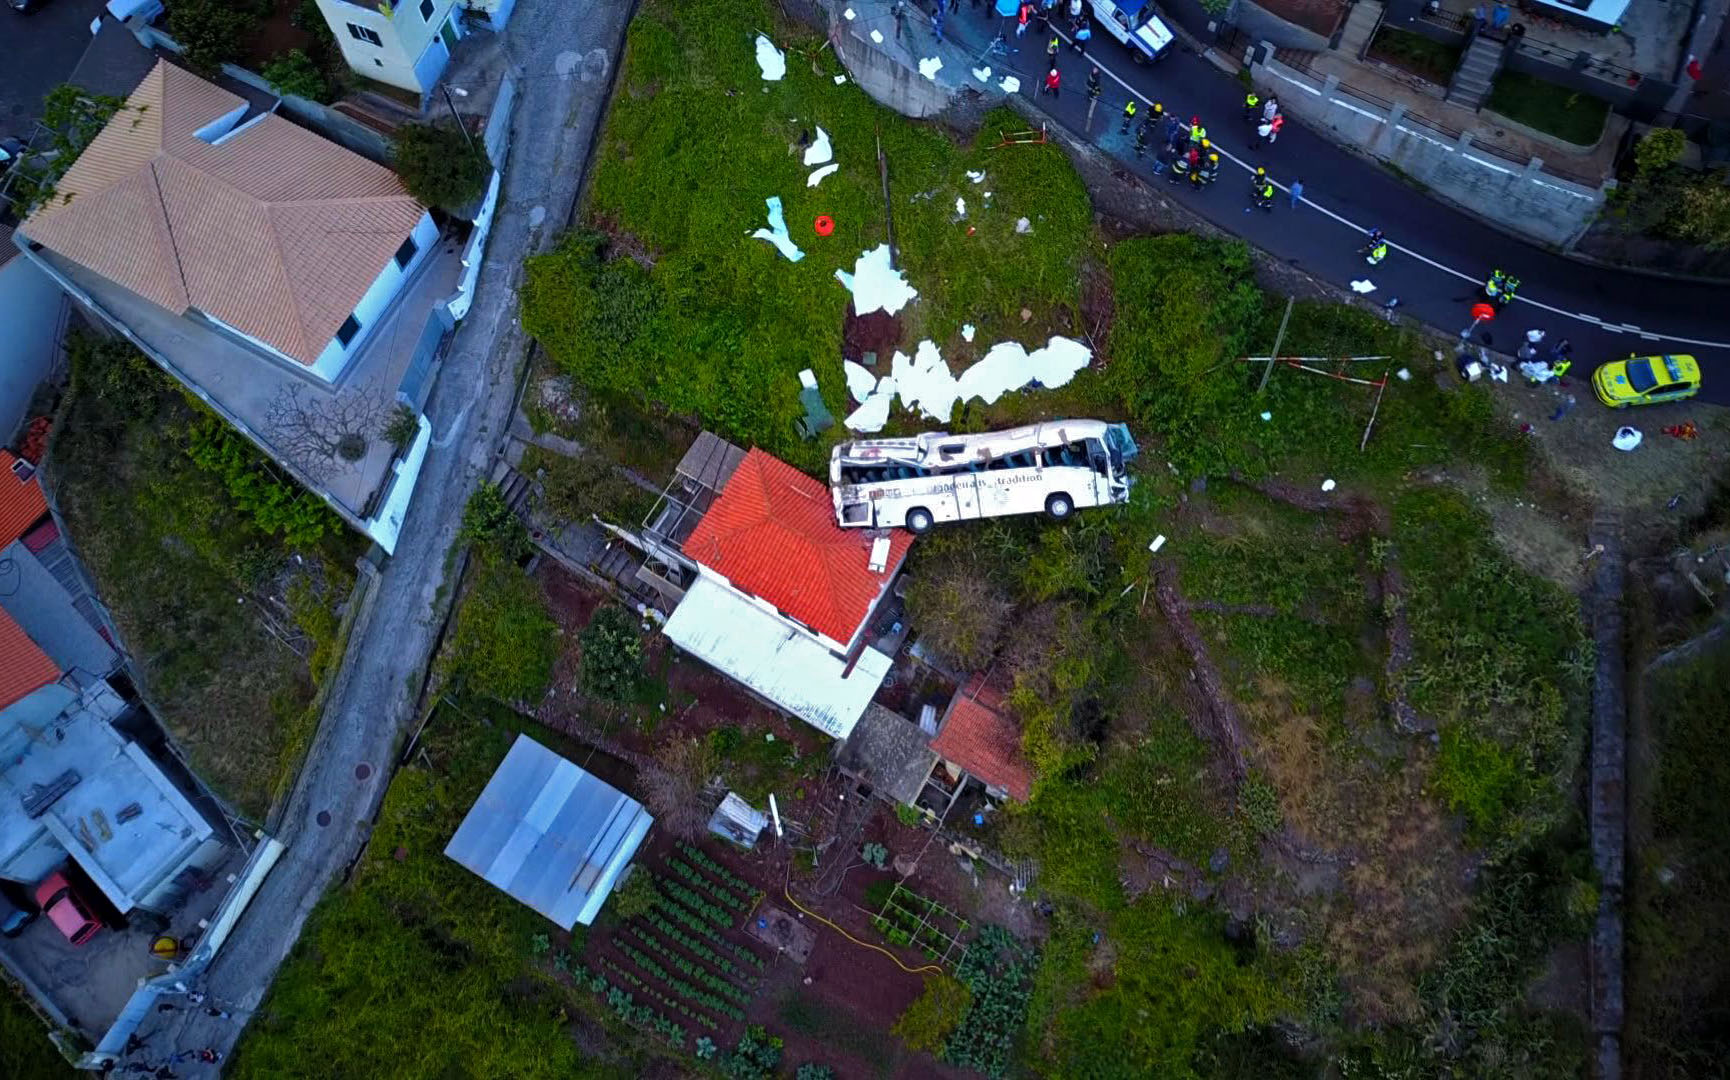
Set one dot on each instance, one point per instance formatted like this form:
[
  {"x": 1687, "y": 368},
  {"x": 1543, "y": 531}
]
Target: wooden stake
[
  {"x": 888, "y": 208},
  {"x": 1379, "y": 392},
  {"x": 1278, "y": 339}
]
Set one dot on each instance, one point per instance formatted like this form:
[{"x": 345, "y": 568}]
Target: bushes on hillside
[
  {"x": 209, "y": 31},
  {"x": 440, "y": 166},
  {"x": 295, "y": 73},
  {"x": 505, "y": 643},
  {"x": 612, "y": 658}
]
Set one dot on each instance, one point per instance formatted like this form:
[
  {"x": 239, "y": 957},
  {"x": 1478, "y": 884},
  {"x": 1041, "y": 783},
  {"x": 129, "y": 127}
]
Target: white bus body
[{"x": 1055, "y": 467}]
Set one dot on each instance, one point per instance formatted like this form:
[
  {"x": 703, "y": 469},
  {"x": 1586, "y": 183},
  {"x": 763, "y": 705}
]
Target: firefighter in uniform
[
  {"x": 1129, "y": 112},
  {"x": 1251, "y": 106}
]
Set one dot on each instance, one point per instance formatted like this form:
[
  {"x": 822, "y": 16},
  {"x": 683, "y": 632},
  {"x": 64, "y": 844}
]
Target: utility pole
[
  {"x": 462, "y": 127},
  {"x": 1277, "y": 340}
]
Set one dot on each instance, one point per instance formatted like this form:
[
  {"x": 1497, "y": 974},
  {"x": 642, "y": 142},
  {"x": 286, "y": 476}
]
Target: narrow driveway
[
  {"x": 562, "y": 52},
  {"x": 39, "y": 51},
  {"x": 1440, "y": 254}
]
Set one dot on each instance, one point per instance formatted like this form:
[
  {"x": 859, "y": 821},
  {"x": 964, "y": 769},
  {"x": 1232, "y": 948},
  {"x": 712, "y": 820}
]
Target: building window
[
  {"x": 406, "y": 253},
  {"x": 346, "y": 332},
  {"x": 426, "y": 10},
  {"x": 361, "y": 33}
]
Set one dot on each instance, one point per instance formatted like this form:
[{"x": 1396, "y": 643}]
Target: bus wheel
[
  {"x": 919, "y": 520},
  {"x": 1059, "y": 506}
]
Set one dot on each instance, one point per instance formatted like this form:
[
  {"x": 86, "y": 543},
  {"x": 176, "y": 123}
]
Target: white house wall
[
  {"x": 404, "y": 35},
  {"x": 376, "y": 301},
  {"x": 31, "y": 309}
]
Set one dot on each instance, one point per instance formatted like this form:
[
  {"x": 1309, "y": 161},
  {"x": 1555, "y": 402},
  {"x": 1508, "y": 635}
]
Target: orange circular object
[
  {"x": 825, "y": 225},
  {"x": 1483, "y": 312}
]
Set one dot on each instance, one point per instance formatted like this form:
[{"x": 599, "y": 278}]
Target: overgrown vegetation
[
  {"x": 222, "y": 576},
  {"x": 71, "y": 117},
  {"x": 612, "y": 654},
  {"x": 939, "y": 1009},
  {"x": 441, "y": 166},
  {"x": 25, "y": 1050},
  {"x": 504, "y": 643},
  {"x": 1669, "y": 200},
  {"x": 209, "y": 30},
  {"x": 294, "y": 72},
  {"x": 419, "y": 963}
]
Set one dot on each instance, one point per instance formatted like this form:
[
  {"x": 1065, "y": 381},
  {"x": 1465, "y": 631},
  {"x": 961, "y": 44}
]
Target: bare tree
[
  {"x": 324, "y": 433},
  {"x": 673, "y": 786}
]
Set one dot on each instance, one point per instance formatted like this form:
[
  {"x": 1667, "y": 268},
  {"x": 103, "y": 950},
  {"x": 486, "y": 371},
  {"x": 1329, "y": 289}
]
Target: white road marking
[{"x": 1348, "y": 223}]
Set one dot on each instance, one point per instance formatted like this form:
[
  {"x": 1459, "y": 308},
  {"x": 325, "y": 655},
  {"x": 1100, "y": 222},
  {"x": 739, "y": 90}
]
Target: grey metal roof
[
  {"x": 889, "y": 752},
  {"x": 37, "y": 601},
  {"x": 549, "y": 834}
]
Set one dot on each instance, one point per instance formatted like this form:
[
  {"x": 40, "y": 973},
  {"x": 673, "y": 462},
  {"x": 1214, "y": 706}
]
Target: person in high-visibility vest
[
  {"x": 1251, "y": 105},
  {"x": 1209, "y": 171},
  {"x": 1378, "y": 252},
  {"x": 1128, "y": 116},
  {"x": 1493, "y": 287},
  {"x": 1510, "y": 286},
  {"x": 1196, "y": 131}
]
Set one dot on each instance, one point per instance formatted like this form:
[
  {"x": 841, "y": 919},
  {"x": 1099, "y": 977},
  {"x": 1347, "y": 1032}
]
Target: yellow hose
[{"x": 856, "y": 941}]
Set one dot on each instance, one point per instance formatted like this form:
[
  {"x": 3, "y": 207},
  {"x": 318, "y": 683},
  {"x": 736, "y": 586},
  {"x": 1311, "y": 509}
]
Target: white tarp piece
[
  {"x": 776, "y": 233},
  {"x": 1022, "y": 225},
  {"x": 960, "y": 207},
  {"x": 930, "y": 66},
  {"x": 746, "y": 643},
  {"x": 819, "y": 175},
  {"x": 1327, "y": 485},
  {"x": 875, "y": 285},
  {"x": 1363, "y": 287},
  {"x": 873, "y": 412},
  {"x": 860, "y": 382},
  {"x": 924, "y": 381},
  {"x": 1158, "y": 542},
  {"x": 808, "y": 379},
  {"x": 967, "y": 331},
  {"x": 877, "y": 36},
  {"x": 839, "y": 79},
  {"x": 983, "y": 74},
  {"x": 977, "y": 177},
  {"x": 1627, "y": 438},
  {"x": 1010, "y": 84},
  {"x": 819, "y": 151},
  {"x": 771, "y": 60},
  {"x": 850, "y": 14}
]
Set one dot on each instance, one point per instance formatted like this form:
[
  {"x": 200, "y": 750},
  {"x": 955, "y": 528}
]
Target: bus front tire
[
  {"x": 919, "y": 521},
  {"x": 1059, "y": 506}
]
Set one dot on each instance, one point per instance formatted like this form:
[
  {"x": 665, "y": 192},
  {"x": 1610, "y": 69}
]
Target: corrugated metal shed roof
[
  {"x": 740, "y": 639},
  {"x": 549, "y": 834}
]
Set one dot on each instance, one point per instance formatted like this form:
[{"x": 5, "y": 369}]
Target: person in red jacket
[{"x": 1052, "y": 79}]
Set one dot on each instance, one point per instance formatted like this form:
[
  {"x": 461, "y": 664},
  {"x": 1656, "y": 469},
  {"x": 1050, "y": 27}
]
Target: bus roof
[{"x": 942, "y": 446}]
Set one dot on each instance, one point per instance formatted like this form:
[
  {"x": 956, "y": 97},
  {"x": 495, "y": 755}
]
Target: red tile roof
[
  {"x": 980, "y": 738},
  {"x": 772, "y": 533},
  {"x": 21, "y": 501},
  {"x": 23, "y": 666}
]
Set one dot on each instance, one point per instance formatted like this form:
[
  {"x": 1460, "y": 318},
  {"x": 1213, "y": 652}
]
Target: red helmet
[{"x": 1195, "y": 119}]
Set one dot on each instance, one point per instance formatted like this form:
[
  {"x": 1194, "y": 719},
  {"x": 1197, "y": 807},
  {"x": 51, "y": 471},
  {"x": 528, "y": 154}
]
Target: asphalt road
[
  {"x": 37, "y": 53},
  {"x": 1440, "y": 254}
]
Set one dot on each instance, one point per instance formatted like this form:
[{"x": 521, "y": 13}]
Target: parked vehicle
[
  {"x": 16, "y": 910},
  {"x": 1646, "y": 380},
  {"x": 1134, "y": 23},
  {"x": 25, "y": 7},
  {"x": 1054, "y": 466},
  {"x": 70, "y": 913}
]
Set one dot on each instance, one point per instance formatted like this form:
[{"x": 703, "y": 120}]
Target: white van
[
  {"x": 1134, "y": 23},
  {"x": 1054, "y": 466}
]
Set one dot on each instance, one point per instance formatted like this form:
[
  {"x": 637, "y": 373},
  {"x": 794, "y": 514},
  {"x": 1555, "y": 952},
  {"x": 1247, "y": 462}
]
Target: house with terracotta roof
[
  {"x": 978, "y": 739},
  {"x": 290, "y": 283},
  {"x": 771, "y": 591}
]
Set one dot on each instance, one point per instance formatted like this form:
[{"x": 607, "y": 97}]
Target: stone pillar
[
  {"x": 1330, "y": 84},
  {"x": 1389, "y": 136},
  {"x": 1464, "y": 142},
  {"x": 1533, "y": 167}
]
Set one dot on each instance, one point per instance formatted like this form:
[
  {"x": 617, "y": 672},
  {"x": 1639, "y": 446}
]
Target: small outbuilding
[
  {"x": 888, "y": 753},
  {"x": 549, "y": 834}
]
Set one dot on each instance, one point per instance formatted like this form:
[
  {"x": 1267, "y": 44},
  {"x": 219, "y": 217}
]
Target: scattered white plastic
[
  {"x": 819, "y": 151},
  {"x": 1022, "y": 225},
  {"x": 1406, "y": 376},
  {"x": 839, "y": 79},
  {"x": 771, "y": 60},
  {"x": 1008, "y": 366},
  {"x": 1327, "y": 485},
  {"x": 1010, "y": 84},
  {"x": 808, "y": 379},
  {"x": 961, "y": 207},
  {"x": 1626, "y": 438},
  {"x": 873, "y": 413},
  {"x": 967, "y": 331},
  {"x": 877, "y": 36},
  {"x": 776, "y": 233},
  {"x": 1158, "y": 542},
  {"x": 983, "y": 74},
  {"x": 930, "y": 66},
  {"x": 820, "y": 175},
  {"x": 849, "y": 15},
  {"x": 1266, "y": 416},
  {"x": 1363, "y": 287},
  {"x": 976, "y": 177},
  {"x": 860, "y": 382},
  {"x": 875, "y": 285}
]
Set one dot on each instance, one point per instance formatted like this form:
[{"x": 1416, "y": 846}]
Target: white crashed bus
[{"x": 1054, "y": 466}]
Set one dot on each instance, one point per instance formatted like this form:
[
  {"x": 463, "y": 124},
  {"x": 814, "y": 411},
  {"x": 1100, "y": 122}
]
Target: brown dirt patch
[
  {"x": 275, "y": 34},
  {"x": 878, "y": 332},
  {"x": 623, "y": 242}
]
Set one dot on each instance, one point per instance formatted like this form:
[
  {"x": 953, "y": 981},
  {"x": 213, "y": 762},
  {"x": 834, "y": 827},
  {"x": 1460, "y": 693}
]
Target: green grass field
[{"x": 1555, "y": 110}]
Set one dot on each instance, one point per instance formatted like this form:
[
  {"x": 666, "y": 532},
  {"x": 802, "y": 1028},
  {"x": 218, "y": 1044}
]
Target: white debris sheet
[
  {"x": 776, "y": 233},
  {"x": 1363, "y": 287},
  {"x": 875, "y": 285},
  {"x": 983, "y": 74},
  {"x": 877, "y": 36},
  {"x": 1010, "y": 84},
  {"x": 925, "y": 383},
  {"x": 976, "y": 177},
  {"x": 960, "y": 207},
  {"x": 771, "y": 60},
  {"x": 860, "y": 382},
  {"x": 819, "y": 175},
  {"x": 967, "y": 331},
  {"x": 819, "y": 151},
  {"x": 930, "y": 66},
  {"x": 839, "y": 79}
]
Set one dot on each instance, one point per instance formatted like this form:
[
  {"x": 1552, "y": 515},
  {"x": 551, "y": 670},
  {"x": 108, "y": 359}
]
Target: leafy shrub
[
  {"x": 813, "y": 1071},
  {"x": 440, "y": 166},
  {"x": 505, "y": 643},
  {"x": 612, "y": 654},
  {"x": 997, "y": 972},
  {"x": 489, "y": 521},
  {"x": 402, "y": 427},
  {"x": 295, "y": 73},
  {"x": 910, "y": 816},
  {"x": 635, "y": 897},
  {"x": 875, "y": 855},
  {"x": 275, "y": 505},
  {"x": 960, "y": 611},
  {"x": 935, "y": 1013},
  {"x": 573, "y": 488},
  {"x": 71, "y": 117},
  {"x": 209, "y": 30},
  {"x": 755, "y": 1058},
  {"x": 1260, "y": 805}
]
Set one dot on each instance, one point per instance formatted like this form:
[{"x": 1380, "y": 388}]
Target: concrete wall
[
  {"x": 404, "y": 35},
  {"x": 886, "y": 72},
  {"x": 1260, "y": 24},
  {"x": 32, "y": 311},
  {"x": 1522, "y": 199}
]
